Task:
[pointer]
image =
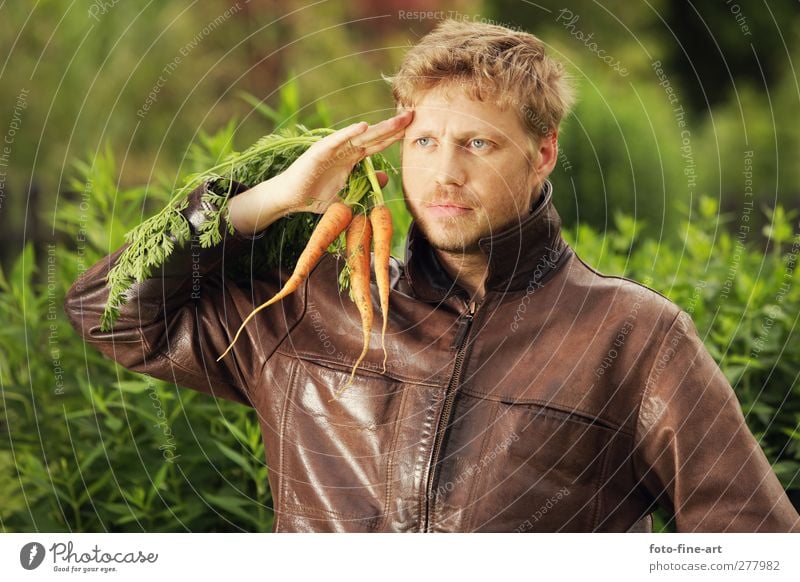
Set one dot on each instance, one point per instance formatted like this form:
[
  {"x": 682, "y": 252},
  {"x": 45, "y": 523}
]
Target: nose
[{"x": 450, "y": 165}]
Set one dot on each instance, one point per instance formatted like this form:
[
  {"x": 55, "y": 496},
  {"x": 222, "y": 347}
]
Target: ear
[{"x": 546, "y": 155}]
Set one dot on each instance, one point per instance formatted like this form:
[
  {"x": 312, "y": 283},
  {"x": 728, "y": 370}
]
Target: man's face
[{"x": 467, "y": 169}]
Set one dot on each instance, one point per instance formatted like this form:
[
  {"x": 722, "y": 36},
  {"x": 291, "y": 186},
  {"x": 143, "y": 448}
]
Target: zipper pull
[{"x": 463, "y": 325}]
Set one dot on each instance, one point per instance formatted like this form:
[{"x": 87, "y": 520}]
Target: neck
[{"x": 469, "y": 270}]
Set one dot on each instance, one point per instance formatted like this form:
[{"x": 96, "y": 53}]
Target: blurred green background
[{"x": 678, "y": 168}]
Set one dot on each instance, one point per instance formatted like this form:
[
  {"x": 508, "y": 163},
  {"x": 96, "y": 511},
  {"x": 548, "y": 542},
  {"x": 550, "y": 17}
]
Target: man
[{"x": 524, "y": 391}]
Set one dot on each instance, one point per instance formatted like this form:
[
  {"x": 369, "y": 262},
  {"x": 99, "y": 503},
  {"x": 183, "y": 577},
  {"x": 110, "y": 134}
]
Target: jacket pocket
[
  {"x": 337, "y": 454},
  {"x": 546, "y": 471}
]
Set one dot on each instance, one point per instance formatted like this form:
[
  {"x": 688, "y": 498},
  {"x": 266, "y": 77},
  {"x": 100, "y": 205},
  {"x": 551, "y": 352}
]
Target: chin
[{"x": 452, "y": 239}]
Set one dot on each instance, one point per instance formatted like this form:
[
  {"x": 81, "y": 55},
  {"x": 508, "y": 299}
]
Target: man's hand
[
  {"x": 313, "y": 181},
  {"x": 315, "y": 178}
]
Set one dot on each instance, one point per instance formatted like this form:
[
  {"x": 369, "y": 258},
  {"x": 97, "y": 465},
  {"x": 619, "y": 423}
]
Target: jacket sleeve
[
  {"x": 693, "y": 451},
  {"x": 176, "y": 324}
]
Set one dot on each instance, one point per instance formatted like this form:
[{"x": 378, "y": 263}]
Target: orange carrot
[
  {"x": 381, "y": 220},
  {"x": 333, "y": 222},
  {"x": 358, "y": 238}
]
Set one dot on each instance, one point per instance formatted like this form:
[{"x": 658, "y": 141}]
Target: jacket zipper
[{"x": 450, "y": 395}]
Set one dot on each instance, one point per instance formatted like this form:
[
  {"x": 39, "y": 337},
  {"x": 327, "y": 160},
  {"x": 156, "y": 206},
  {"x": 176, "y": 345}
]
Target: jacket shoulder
[{"x": 612, "y": 291}]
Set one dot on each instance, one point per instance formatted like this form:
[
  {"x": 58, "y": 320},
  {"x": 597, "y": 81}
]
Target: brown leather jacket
[{"x": 565, "y": 400}]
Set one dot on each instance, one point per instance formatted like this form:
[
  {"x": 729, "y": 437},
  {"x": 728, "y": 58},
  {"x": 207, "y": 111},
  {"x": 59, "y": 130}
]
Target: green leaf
[
  {"x": 238, "y": 506},
  {"x": 239, "y": 459}
]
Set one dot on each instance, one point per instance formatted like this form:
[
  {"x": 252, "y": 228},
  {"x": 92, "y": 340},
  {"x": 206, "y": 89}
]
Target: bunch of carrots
[{"x": 361, "y": 229}]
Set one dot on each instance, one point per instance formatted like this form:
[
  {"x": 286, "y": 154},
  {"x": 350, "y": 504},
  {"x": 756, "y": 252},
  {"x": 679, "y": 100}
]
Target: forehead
[{"x": 452, "y": 109}]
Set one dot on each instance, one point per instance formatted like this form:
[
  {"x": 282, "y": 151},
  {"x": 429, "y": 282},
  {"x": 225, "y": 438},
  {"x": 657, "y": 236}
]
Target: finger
[
  {"x": 384, "y": 129},
  {"x": 374, "y": 148},
  {"x": 340, "y": 138},
  {"x": 390, "y": 136}
]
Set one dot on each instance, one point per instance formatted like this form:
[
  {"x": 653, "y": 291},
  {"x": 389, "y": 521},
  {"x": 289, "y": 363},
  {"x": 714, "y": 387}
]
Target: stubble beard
[{"x": 452, "y": 235}]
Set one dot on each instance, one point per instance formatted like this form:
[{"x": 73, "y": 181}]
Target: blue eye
[
  {"x": 480, "y": 144},
  {"x": 420, "y": 139}
]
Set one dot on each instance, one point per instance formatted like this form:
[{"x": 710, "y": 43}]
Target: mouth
[{"x": 447, "y": 209}]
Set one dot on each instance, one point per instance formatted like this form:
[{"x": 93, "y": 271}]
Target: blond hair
[{"x": 493, "y": 62}]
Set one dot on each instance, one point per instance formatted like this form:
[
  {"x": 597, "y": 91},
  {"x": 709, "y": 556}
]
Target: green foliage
[
  {"x": 617, "y": 150},
  {"x": 289, "y": 107},
  {"x": 90, "y": 446}
]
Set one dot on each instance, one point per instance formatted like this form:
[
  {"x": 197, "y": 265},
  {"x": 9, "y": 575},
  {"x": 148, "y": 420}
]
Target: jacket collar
[{"x": 520, "y": 257}]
